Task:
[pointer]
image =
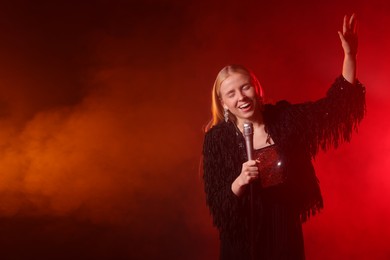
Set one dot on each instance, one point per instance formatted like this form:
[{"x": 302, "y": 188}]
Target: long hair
[{"x": 217, "y": 110}]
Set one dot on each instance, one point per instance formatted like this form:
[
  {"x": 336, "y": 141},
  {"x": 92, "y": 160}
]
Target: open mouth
[{"x": 246, "y": 106}]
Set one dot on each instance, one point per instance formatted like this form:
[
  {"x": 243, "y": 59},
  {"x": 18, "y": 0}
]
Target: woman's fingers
[
  {"x": 341, "y": 36},
  {"x": 353, "y": 23},
  {"x": 350, "y": 24},
  {"x": 250, "y": 171},
  {"x": 349, "y": 37},
  {"x": 345, "y": 24}
]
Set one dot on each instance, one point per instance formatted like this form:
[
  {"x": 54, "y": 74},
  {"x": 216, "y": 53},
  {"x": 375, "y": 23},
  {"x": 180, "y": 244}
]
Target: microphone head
[{"x": 248, "y": 128}]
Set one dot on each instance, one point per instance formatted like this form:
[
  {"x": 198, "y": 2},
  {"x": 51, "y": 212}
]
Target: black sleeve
[
  {"x": 221, "y": 166},
  {"x": 331, "y": 120}
]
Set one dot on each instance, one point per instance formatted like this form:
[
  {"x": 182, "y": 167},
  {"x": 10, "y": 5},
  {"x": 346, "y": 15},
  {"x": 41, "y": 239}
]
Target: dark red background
[{"x": 102, "y": 105}]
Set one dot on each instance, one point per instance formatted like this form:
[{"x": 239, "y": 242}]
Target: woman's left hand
[{"x": 349, "y": 37}]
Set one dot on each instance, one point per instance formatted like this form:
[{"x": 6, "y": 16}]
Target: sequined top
[{"x": 271, "y": 167}]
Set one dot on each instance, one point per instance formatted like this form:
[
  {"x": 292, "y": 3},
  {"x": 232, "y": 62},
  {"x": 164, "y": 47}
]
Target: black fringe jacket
[{"x": 299, "y": 131}]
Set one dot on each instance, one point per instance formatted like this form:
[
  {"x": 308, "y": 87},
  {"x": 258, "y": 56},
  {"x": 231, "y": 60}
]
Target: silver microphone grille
[{"x": 248, "y": 129}]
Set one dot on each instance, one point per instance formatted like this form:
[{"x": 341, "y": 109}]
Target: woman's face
[{"x": 239, "y": 96}]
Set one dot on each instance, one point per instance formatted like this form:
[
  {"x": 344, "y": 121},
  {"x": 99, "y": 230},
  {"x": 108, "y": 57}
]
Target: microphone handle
[
  {"x": 248, "y": 134},
  {"x": 249, "y": 146}
]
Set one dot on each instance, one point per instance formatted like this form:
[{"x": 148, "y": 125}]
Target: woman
[{"x": 285, "y": 190}]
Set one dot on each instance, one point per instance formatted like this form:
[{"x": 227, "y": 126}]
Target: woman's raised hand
[{"x": 349, "y": 37}]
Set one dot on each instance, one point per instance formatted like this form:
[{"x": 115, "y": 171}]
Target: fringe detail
[
  {"x": 222, "y": 162},
  {"x": 306, "y": 128},
  {"x": 333, "y": 119}
]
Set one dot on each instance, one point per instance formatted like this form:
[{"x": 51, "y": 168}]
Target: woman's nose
[{"x": 241, "y": 95}]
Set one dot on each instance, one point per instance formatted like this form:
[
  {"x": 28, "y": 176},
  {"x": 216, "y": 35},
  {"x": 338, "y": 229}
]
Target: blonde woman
[{"x": 286, "y": 137}]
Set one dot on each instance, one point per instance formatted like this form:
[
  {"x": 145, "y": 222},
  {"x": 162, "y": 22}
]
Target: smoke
[{"x": 91, "y": 155}]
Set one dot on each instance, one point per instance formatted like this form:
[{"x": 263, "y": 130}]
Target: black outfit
[{"x": 298, "y": 132}]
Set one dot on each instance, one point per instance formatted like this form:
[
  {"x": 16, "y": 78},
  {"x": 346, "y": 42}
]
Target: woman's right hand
[{"x": 249, "y": 173}]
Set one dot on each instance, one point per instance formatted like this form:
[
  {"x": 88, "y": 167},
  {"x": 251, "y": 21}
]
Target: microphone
[{"x": 248, "y": 135}]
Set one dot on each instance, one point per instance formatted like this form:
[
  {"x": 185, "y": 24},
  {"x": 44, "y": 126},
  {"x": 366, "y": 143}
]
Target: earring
[{"x": 226, "y": 114}]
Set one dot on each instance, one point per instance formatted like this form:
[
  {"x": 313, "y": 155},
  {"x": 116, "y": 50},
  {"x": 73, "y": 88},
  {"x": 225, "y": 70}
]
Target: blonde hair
[{"x": 217, "y": 110}]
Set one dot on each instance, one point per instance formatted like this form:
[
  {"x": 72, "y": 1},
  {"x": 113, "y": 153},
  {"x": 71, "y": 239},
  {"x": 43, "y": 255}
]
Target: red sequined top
[{"x": 270, "y": 166}]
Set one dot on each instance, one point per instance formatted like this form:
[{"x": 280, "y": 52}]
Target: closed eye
[
  {"x": 230, "y": 94},
  {"x": 246, "y": 87}
]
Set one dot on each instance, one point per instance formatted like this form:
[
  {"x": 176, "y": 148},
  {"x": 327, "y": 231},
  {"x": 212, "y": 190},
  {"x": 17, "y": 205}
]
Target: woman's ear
[{"x": 223, "y": 104}]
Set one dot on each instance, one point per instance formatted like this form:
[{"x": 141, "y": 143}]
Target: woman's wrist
[
  {"x": 350, "y": 56},
  {"x": 237, "y": 187},
  {"x": 349, "y": 68}
]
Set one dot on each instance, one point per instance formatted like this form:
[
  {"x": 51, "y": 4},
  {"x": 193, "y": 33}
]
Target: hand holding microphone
[{"x": 249, "y": 170}]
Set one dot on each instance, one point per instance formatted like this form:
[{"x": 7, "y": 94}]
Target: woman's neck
[{"x": 256, "y": 123}]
